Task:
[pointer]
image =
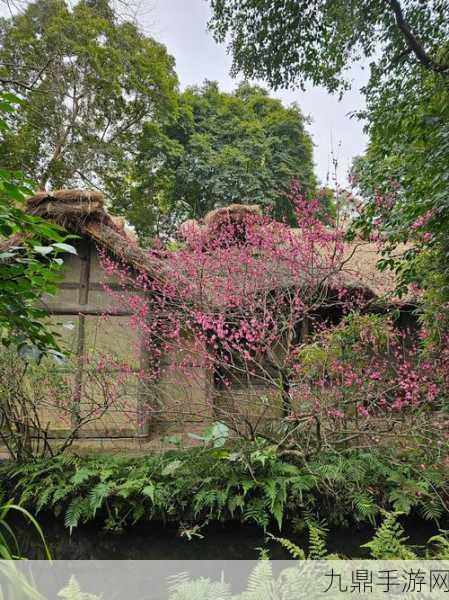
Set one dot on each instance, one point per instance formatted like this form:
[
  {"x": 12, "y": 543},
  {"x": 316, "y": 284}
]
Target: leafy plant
[
  {"x": 191, "y": 487},
  {"x": 9, "y": 548},
  {"x": 218, "y": 149},
  {"x": 16, "y": 582},
  {"x": 30, "y": 261},
  {"x": 298, "y": 42},
  {"x": 389, "y": 541},
  {"x": 30, "y": 389},
  {"x": 73, "y": 591},
  {"x": 92, "y": 80}
]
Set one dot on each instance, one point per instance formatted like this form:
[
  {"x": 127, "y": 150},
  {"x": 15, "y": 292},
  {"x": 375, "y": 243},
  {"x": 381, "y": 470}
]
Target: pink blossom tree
[{"x": 236, "y": 299}]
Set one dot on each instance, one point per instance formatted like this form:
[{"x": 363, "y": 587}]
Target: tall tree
[
  {"x": 221, "y": 148},
  {"x": 403, "y": 178},
  {"x": 293, "y": 41},
  {"x": 91, "y": 82}
]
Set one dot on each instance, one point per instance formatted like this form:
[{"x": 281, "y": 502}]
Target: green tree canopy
[
  {"x": 404, "y": 175},
  {"x": 91, "y": 81},
  {"x": 221, "y": 148},
  {"x": 404, "y": 179},
  {"x": 287, "y": 42}
]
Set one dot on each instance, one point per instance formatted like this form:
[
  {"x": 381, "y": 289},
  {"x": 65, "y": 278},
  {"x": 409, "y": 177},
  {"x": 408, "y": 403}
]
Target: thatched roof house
[{"x": 97, "y": 326}]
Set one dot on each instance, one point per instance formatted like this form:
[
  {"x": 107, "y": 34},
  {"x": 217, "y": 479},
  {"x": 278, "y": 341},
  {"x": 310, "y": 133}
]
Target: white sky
[{"x": 181, "y": 26}]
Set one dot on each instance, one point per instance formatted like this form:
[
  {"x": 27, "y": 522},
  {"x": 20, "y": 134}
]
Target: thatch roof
[
  {"x": 232, "y": 212},
  {"x": 359, "y": 259},
  {"x": 84, "y": 213}
]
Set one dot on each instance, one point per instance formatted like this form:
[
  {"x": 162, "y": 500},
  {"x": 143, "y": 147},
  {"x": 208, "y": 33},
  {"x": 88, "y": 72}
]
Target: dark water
[{"x": 230, "y": 541}]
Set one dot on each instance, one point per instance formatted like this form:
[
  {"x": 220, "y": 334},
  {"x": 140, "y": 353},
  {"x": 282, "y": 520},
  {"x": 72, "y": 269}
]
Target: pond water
[{"x": 153, "y": 541}]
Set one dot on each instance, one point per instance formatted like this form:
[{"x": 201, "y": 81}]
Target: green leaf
[
  {"x": 65, "y": 247},
  {"x": 149, "y": 490},
  {"x": 44, "y": 250},
  {"x": 171, "y": 467}
]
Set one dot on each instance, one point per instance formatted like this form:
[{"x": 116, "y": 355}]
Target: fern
[
  {"x": 236, "y": 502},
  {"x": 431, "y": 509},
  {"x": 317, "y": 542},
  {"x": 98, "y": 495},
  {"x": 60, "y": 493},
  {"x": 206, "y": 499},
  {"x": 276, "y": 492},
  {"x": 44, "y": 499},
  {"x": 82, "y": 475},
  {"x": 439, "y": 547},
  {"x": 389, "y": 541},
  {"x": 260, "y": 582},
  {"x": 250, "y": 483},
  {"x": 73, "y": 591},
  {"x": 74, "y": 512},
  {"x": 294, "y": 551},
  {"x": 255, "y": 511},
  {"x": 365, "y": 505},
  {"x": 181, "y": 587}
]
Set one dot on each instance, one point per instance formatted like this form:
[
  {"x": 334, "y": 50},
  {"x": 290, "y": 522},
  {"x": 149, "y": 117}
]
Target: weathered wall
[{"x": 92, "y": 326}]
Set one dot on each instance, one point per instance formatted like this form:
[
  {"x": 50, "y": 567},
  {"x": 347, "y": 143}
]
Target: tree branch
[
  {"x": 15, "y": 83},
  {"x": 413, "y": 42}
]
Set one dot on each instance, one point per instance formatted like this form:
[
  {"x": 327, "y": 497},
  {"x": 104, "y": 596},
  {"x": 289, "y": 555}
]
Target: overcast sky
[{"x": 182, "y": 26}]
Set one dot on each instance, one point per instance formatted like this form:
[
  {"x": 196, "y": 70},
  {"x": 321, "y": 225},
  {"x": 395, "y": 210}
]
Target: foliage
[
  {"x": 91, "y": 81},
  {"x": 317, "y": 549},
  {"x": 235, "y": 294},
  {"x": 293, "y": 42},
  {"x": 245, "y": 482},
  {"x": 257, "y": 304},
  {"x": 403, "y": 179},
  {"x": 9, "y": 548},
  {"x": 30, "y": 260},
  {"x": 369, "y": 376},
  {"x": 73, "y": 591},
  {"x": 219, "y": 148},
  {"x": 388, "y": 543},
  {"x": 262, "y": 584},
  {"x": 403, "y": 175},
  {"x": 181, "y": 586}
]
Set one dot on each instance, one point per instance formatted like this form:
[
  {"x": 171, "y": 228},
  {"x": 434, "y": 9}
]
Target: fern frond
[
  {"x": 98, "y": 494},
  {"x": 294, "y": 551},
  {"x": 74, "y": 512},
  {"x": 389, "y": 541},
  {"x": 317, "y": 543},
  {"x": 440, "y": 549}
]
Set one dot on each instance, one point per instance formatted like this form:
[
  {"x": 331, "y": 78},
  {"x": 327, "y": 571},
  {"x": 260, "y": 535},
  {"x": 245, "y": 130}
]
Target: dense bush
[{"x": 250, "y": 483}]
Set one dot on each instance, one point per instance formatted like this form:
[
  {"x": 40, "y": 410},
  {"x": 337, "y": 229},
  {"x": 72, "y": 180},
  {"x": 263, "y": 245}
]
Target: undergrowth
[
  {"x": 389, "y": 542},
  {"x": 250, "y": 484}
]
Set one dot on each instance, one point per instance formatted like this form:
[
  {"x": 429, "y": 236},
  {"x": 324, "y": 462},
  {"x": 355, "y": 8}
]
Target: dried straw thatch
[
  {"x": 359, "y": 261},
  {"x": 233, "y": 212},
  {"x": 84, "y": 213}
]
